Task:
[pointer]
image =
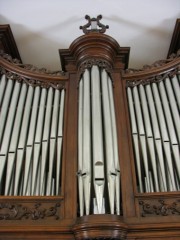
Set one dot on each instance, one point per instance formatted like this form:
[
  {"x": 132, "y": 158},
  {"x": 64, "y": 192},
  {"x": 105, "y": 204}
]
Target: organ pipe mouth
[
  {"x": 99, "y": 181},
  {"x": 99, "y": 163}
]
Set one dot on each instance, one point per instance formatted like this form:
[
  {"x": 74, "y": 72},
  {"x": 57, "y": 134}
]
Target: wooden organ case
[{"x": 90, "y": 152}]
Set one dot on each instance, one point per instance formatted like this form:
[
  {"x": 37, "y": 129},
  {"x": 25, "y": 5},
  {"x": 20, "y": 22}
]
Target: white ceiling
[{"x": 41, "y": 27}]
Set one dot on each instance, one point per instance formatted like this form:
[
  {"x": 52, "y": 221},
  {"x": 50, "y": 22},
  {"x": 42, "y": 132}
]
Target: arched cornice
[
  {"x": 31, "y": 75},
  {"x": 96, "y": 46},
  {"x": 152, "y": 73}
]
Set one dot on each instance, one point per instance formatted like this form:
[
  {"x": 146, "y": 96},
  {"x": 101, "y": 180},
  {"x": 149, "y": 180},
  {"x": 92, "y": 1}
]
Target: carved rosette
[
  {"x": 15, "y": 211},
  {"x": 32, "y": 82},
  {"x": 159, "y": 207},
  {"x": 154, "y": 79}
]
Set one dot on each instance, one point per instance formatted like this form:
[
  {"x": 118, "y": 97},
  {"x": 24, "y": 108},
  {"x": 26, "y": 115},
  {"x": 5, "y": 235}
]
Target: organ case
[{"x": 49, "y": 190}]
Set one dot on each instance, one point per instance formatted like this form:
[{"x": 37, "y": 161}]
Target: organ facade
[{"x": 92, "y": 151}]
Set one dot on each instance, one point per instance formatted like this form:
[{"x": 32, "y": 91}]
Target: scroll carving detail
[
  {"x": 32, "y": 82},
  {"x": 154, "y": 79},
  {"x": 156, "y": 64},
  {"x": 17, "y": 211},
  {"x": 102, "y": 27},
  {"x": 160, "y": 207},
  {"x": 30, "y": 67},
  {"x": 93, "y": 61}
]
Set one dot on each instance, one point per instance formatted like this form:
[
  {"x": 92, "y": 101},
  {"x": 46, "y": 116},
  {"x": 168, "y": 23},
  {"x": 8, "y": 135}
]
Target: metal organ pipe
[
  {"x": 156, "y": 106},
  {"x": 97, "y": 144},
  {"x": 80, "y": 148},
  {"x": 135, "y": 138},
  {"x": 115, "y": 147},
  {"x": 31, "y": 119},
  {"x": 142, "y": 138},
  {"x": 97, "y": 137},
  {"x": 86, "y": 150}
]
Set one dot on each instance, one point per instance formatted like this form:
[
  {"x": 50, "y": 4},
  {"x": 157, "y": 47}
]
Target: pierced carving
[
  {"x": 9, "y": 58},
  {"x": 156, "y": 64},
  {"x": 154, "y": 79},
  {"x": 95, "y": 61},
  {"x": 30, "y": 67},
  {"x": 94, "y": 23},
  {"x": 33, "y": 68},
  {"x": 160, "y": 207},
  {"x": 32, "y": 82},
  {"x": 17, "y": 211}
]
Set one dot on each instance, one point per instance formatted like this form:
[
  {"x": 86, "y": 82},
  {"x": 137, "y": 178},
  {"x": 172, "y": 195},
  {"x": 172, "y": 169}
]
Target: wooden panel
[
  {"x": 7, "y": 42},
  {"x": 175, "y": 41}
]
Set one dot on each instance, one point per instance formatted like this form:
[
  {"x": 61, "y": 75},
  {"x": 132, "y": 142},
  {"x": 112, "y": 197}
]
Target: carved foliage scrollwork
[
  {"x": 30, "y": 67},
  {"x": 16, "y": 211},
  {"x": 156, "y": 64},
  {"x": 95, "y": 61},
  {"x": 154, "y": 79},
  {"x": 9, "y": 58},
  {"x": 35, "y": 69},
  {"x": 159, "y": 207},
  {"x": 32, "y": 82}
]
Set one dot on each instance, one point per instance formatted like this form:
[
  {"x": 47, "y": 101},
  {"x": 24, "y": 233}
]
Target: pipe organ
[
  {"x": 154, "y": 114},
  {"x": 97, "y": 143},
  {"x": 92, "y": 151},
  {"x": 31, "y": 139}
]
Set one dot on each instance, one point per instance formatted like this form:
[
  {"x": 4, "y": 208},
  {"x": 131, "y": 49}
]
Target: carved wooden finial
[{"x": 94, "y": 24}]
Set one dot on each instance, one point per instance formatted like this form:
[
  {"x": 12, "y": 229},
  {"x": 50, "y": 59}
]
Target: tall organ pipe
[
  {"x": 86, "y": 148},
  {"x": 156, "y": 107},
  {"x": 97, "y": 126},
  {"x": 31, "y": 122},
  {"x": 97, "y": 137}
]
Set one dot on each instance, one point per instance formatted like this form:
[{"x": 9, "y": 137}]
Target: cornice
[
  {"x": 160, "y": 66},
  {"x": 152, "y": 73},
  {"x": 94, "y": 45},
  {"x": 30, "y": 74}
]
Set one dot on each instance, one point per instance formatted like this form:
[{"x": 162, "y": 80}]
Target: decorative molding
[
  {"x": 9, "y": 58},
  {"x": 95, "y": 61},
  {"x": 155, "y": 65},
  {"x": 90, "y": 227},
  {"x": 30, "y": 67},
  {"x": 103, "y": 238},
  {"x": 159, "y": 207},
  {"x": 31, "y": 81},
  {"x": 155, "y": 79},
  {"x": 18, "y": 211},
  {"x": 94, "y": 22},
  {"x": 33, "y": 68}
]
